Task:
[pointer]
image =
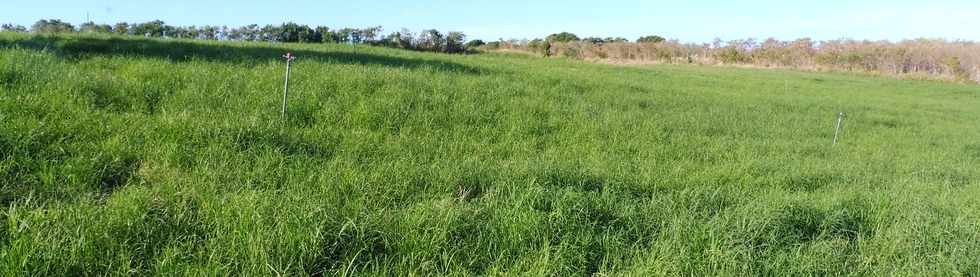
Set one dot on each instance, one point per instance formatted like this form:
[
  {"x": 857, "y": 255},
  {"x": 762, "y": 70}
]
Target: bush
[
  {"x": 91, "y": 27},
  {"x": 562, "y": 37},
  {"x": 52, "y": 26},
  {"x": 154, "y": 28},
  {"x": 570, "y": 53},
  {"x": 430, "y": 40},
  {"x": 474, "y": 44},
  {"x": 956, "y": 69},
  {"x": 542, "y": 47},
  {"x": 454, "y": 42},
  {"x": 13, "y": 28},
  {"x": 651, "y": 39}
]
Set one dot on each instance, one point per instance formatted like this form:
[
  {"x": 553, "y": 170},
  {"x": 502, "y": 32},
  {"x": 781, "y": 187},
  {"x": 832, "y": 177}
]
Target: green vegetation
[
  {"x": 562, "y": 37},
  {"x": 935, "y": 59},
  {"x": 124, "y": 156},
  {"x": 651, "y": 39},
  {"x": 429, "y": 40}
]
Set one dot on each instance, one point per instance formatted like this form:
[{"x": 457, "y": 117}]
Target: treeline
[
  {"x": 952, "y": 60},
  {"x": 931, "y": 58},
  {"x": 427, "y": 40}
]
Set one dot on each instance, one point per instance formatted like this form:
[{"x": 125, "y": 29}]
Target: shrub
[
  {"x": 474, "y": 44},
  {"x": 562, "y": 37},
  {"x": 52, "y": 26},
  {"x": 154, "y": 28},
  {"x": 430, "y": 40},
  {"x": 540, "y": 46},
  {"x": 956, "y": 69},
  {"x": 13, "y": 28},
  {"x": 651, "y": 39},
  {"x": 454, "y": 42},
  {"x": 91, "y": 27}
]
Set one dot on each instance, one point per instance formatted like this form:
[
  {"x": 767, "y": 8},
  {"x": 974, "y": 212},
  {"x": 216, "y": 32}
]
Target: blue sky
[{"x": 689, "y": 21}]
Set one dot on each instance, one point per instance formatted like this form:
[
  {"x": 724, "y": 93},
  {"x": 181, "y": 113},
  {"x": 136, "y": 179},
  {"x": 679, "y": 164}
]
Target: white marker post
[
  {"x": 840, "y": 125},
  {"x": 285, "y": 93}
]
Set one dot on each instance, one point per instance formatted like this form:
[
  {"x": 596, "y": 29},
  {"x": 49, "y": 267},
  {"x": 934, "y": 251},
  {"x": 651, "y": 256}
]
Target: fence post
[
  {"x": 840, "y": 125},
  {"x": 285, "y": 93}
]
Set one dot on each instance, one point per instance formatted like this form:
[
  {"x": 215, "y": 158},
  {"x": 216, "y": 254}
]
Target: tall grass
[{"x": 127, "y": 156}]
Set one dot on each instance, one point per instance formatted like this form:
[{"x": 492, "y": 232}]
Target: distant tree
[
  {"x": 167, "y": 31},
  {"x": 956, "y": 69},
  {"x": 121, "y": 28},
  {"x": 540, "y": 46},
  {"x": 248, "y": 32},
  {"x": 326, "y": 35},
  {"x": 87, "y": 27},
  {"x": 651, "y": 39},
  {"x": 289, "y": 32},
  {"x": 194, "y": 32},
  {"x": 562, "y": 37},
  {"x": 615, "y": 40},
  {"x": 270, "y": 33},
  {"x": 182, "y": 32},
  {"x": 345, "y": 35},
  {"x": 13, "y": 28},
  {"x": 389, "y": 40},
  {"x": 356, "y": 36},
  {"x": 474, "y": 44},
  {"x": 371, "y": 34},
  {"x": 91, "y": 27},
  {"x": 402, "y": 39},
  {"x": 734, "y": 52},
  {"x": 308, "y": 35},
  {"x": 430, "y": 40},
  {"x": 292, "y": 32},
  {"x": 594, "y": 40},
  {"x": 454, "y": 42},
  {"x": 52, "y": 26},
  {"x": 208, "y": 32},
  {"x": 494, "y": 45},
  {"x": 236, "y": 34},
  {"x": 154, "y": 28},
  {"x": 223, "y": 33}
]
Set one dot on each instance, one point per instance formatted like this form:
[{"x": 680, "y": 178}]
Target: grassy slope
[{"x": 149, "y": 156}]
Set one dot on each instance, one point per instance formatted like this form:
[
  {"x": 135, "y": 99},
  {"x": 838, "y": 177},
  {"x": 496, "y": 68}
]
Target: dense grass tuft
[{"x": 122, "y": 156}]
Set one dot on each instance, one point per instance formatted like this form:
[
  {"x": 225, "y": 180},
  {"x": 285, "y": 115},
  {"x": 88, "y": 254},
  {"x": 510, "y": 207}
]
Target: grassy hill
[{"x": 122, "y": 156}]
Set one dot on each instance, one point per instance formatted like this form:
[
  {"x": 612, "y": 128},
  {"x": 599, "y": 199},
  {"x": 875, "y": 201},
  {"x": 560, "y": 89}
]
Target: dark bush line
[
  {"x": 932, "y": 58},
  {"x": 430, "y": 40},
  {"x": 181, "y": 50}
]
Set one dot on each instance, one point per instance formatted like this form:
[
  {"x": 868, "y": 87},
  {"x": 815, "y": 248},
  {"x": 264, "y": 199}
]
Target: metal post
[
  {"x": 840, "y": 125},
  {"x": 285, "y": 93}
]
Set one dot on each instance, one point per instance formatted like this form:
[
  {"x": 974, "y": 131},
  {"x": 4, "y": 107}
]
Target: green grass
[{"x": 127, "y": 156}]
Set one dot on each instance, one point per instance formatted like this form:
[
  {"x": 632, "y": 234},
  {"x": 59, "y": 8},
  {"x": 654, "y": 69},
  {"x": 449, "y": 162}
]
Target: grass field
[{"x": 128, "y": 156}]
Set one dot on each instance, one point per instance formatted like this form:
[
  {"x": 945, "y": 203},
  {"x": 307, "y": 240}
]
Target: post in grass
[
  {"x": 840, "y": 126},
  {"x": 285, "y": 93}
]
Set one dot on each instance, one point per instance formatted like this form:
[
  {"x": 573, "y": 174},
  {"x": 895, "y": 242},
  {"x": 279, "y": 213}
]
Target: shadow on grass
[{"x": 182, "y": 50}]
